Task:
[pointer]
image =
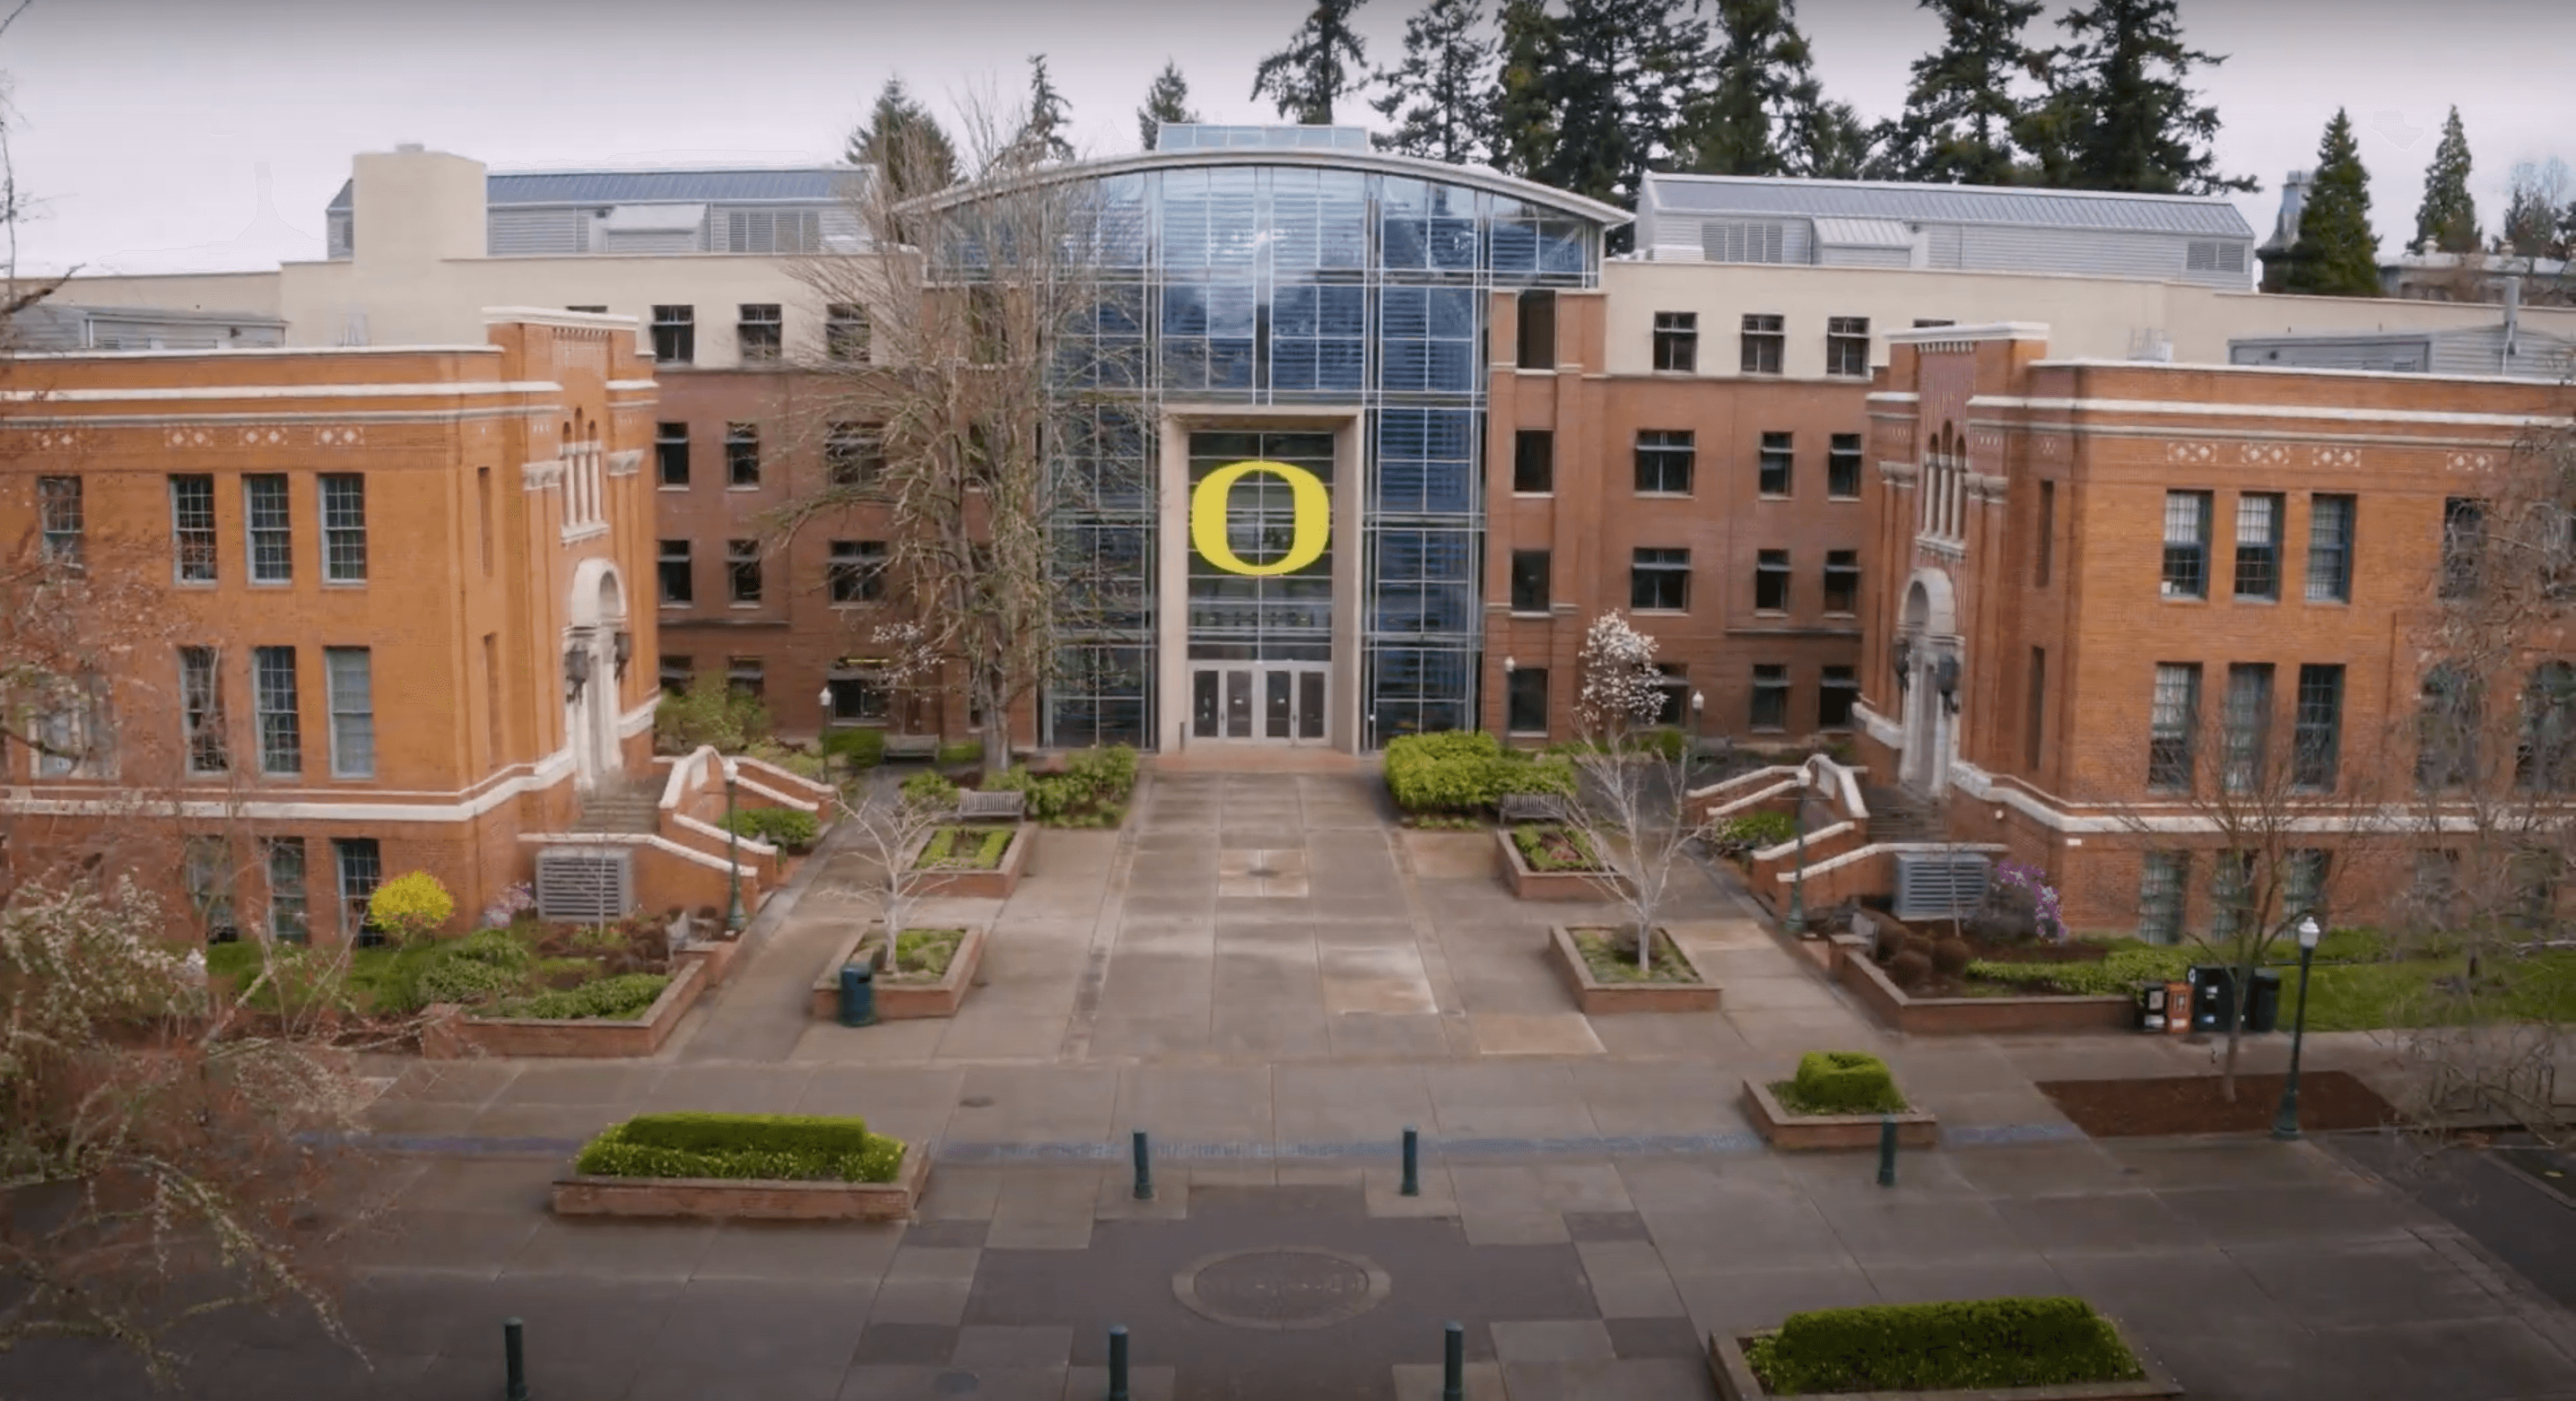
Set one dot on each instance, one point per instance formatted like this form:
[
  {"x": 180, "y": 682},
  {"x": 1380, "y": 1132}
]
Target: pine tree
[
  {"x": 1321, "y": 63},
  {"x": 2118, "y": 115},
  {"x": 2335, "y": 255},
  {"x": 1167, "y": 102},
  {"x": 1763, "y": 112},
  {"x": 902, "y": 139},
  {"x": 1961, "y": 115},
  {"x": 1041, "y": 135},
  {"x": 2534, "y": 226},
  {"x": 1438, "y": 96},
  {"x": 2447, "y": 220},
  {"x": 1614, "y": 80},
  {"x": 1523, "y": 121}
]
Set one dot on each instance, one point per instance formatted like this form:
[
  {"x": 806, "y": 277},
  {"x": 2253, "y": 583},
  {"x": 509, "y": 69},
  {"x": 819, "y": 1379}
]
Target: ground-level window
[
  {"x": 289, "y": 917},
  {"x": 859, "y": 698},
  {"x": 1836, "y": 694},
  {"x": 2160, "y": 896},
  {"x": 1770, "y": 698},
  {"x": 1527, "y": 713},
  {"x": 677, "y": 669},
  {"x": 361, "y": 865}
]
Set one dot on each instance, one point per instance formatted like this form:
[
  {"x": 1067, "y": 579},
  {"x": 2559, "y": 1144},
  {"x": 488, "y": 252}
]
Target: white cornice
[
  {"x": 1992, "y": 331},
  {"x": 194, "y": 392},
  {"x": 122, "y": 420},
  {"x": 537, "y": 476},
  {"x": 2182, "y": 409},
  {"x": 358, "y": 807},
  {"x": 551, "y": 316}
]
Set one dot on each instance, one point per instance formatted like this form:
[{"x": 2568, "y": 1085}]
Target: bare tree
[
  {"x": 890, "y": 827},
  {"x": 1633, "y": 800}
]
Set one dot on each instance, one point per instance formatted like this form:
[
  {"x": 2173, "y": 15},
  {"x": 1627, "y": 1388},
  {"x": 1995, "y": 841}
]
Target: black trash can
[
  {"x": 2213, "y": 997},
  {"x": 2263, "y": 1009}
]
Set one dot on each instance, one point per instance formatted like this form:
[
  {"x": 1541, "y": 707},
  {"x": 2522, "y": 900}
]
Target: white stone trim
[
  {"x": 1789, "y": 848},
  {"x": 2173, "y": 408},
  {"x": 1892, "y": 396},
  {"x": 537, "y": 476},
  {"x": 640, "y": 719},
  {"x": 169, "y": 393},
  {"x": 27, "y": 421},
  {"x": 1896, "y": 849},
  {"x": 253, "y": 351},
  {"x": 575, "y": 534},
  {"x": 1898, "y": 473},
  {"x": 552, "y": 316},
  {"x": 1982, "y": 487},
  {"x": 2395, "y": 376},
  {"x": 1933, "y": 336},
  {"x": 618, "y": 386},
  {"x": 626, "y": 463},
  {"x": 1878, "y": 726},
  {"x": 548, "y": 772},
  {"x": 658, "y": 843},
  {"x": 708, "y": 829}
]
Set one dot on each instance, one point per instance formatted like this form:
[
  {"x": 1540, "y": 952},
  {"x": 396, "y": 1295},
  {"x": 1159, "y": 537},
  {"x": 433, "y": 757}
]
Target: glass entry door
[{"x": 1274, "y": 702}]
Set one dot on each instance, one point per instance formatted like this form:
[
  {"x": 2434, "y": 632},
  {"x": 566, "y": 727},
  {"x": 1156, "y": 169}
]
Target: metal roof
[
  {"x": 1474, "y": 177},
  {"x": 2205, "y": 215},
  {"x": 803, "y": 185}
]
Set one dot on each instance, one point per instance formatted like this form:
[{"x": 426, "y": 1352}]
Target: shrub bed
[
  {"x": 791, "y": 828},
  {"x": 1091, "y": 792},
  {"x": 1467, "y": 771},
  {"x": 1611, "y": 957},
  {"x": 856, "y": 749},
  {"x": 965, "y": 849},
  {"x": 923, "y": 955},
  {"x": 1551, "y": 849},
  {"x": 1738, "y": 837},
  {"x": 608, "y": 999},
  {"x": 773, "y": 1147},
  {"x": 525, "y": 960},
  {"x": 1976, "y": 1344},
  {"x": 1840, "y": 1082}
]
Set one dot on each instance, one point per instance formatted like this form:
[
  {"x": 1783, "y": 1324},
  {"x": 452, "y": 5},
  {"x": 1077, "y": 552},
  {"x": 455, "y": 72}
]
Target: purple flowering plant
[{"x": 2013, "y": 875}]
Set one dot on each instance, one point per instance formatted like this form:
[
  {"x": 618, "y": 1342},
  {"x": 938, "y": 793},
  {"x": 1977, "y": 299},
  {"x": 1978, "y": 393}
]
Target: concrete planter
[
  {"x": 902, "y": 1001},
  {"x": 729, "y": 1199},
  {"x": 1915, "y": 1128},
  {"x": 1596, "y": 998},
  {"x": 451, "y": 1033},
  {"x": 718, "y": 955},
  {"x": 1975, "y": 1016},
  {"x": 1736, "y": 1382},
  {"x": 1528, "y": 883},
  {"x": 995, "y": 884}
]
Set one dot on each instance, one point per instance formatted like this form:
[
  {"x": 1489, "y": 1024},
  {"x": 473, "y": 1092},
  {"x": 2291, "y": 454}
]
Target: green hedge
[
  {"x": 609, "y": 999},
  {"x": 859, "y": 749},
  {"x": 776, "y": 1133},
  {"x": 743, "y": 1146},
  {"x": 1092, "y": 790},
  {"x": 966, "y": 848},
  {"x": 1984, "y": 1343},
  {"x": 1845, "y": 1082},
  {"x": 792, "y": 828},
  {"x": 1466, "y": 770},
  {"x": 962, "y": 753},
  {"x": 2118, "y": 971}
]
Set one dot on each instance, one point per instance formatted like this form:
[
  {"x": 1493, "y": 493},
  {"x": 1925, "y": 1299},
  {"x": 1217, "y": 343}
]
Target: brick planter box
[
  {"x": 1736, "y": 1382},
  {"x": 1597, "y": 998},
  {"x": 1971, "y": 1016},
  {"x": 1791, "y": 1133},
  {"x": 729, "y": 1199},
  {"x": 1531, "y": 884},
  {"x": 902, "y": 1001},
  {"x": 451, "y": 1033},
  {"x": 718, "y": 955},
  {"x": 995, "y": 884}
]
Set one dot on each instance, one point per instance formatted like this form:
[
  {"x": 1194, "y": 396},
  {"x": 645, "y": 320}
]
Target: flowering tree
[
  {"x": 1621, "y": 687},
  {"x": 2033, "y": 886},
  {"x": 1632, "y": 802}
]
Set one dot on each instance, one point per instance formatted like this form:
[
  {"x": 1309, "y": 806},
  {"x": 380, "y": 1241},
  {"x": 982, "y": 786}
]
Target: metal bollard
[
  {"x": 1144, "y": 1169},
  {"x": 1412, "y": 1186},
  {"x": 514, "y": 1360},
  {"x": 1118, "y": 1363},
  {"x": 1886, "y": 1150},
  {"x": 1453, "y": 1363},
  {"x": 859, "y": 994}
]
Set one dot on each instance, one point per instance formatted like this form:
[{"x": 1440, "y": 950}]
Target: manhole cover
[
  {"x": 1280, "y": 1287},
  {"x": 1262, "y": 873},
  {"x": 976, "y": 1102}
]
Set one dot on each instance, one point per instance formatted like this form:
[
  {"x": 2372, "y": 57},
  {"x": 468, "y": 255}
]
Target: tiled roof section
[
  {"x": 2205, "y": 215},
  {"x": 808, "y": 185}
]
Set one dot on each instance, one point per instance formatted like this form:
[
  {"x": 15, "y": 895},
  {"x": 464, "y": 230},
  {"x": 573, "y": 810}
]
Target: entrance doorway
[{"x": 1270, "y": 702}]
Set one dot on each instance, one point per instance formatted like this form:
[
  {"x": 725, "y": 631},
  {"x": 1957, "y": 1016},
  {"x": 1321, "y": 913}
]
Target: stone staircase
[
  {"x": 1898, "y": 816},
  {"x": 632, "y": 807}
]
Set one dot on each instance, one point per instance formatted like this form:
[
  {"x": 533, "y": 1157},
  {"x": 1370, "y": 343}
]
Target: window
[
  {"x": 2249, "y": 722},
  {"x": 675, "y": 334},
  {"x": 273, "y": 698},
  {"x": 2162, "y": 879},
  {"x": 70, "y": 736},
  {"x": 350, "y": 671},
  {"x": 2317, "y": 734},
  {"x": 1677, "y": 692},
  {"x": 1664, "y": 461},
  {"x": 1526, "y": 712},
  {"x": 853, "y": 455},
  {"x": 1530, "y": 581},
  {"x": 201, "y": 710},
  {"x": 272, "y": 535},
  {"x": 678, "y": 573},
  {"x": 1659, "y": 579},
  {"x": 1677, "y": 341},
  {"x": 2172, "y": 718},
  {"x": 742, "y": 566},
  {"x": 846, "y": 333},
  {"x": 1775, "y": 463},
  {"x": 2231, "y": 891},
  {"x": 344, "y": 528},
  {"x": 2035, "y": 710},
  {"x": 746, "y": 675},
  {"x": 1771, "y": 581},
  {"x": 2303, "y": 883},
  {"x": 206, "y": 866},
  {"x": 857, "y": 698},
  {"x": 1836, "y": 694},
  {"x": 2330, "y": 520},
  {"x": 192, "y": 527},
  {"x": 742, "y": 454},
  {"x": 1842, "y": 467},
  {"x": 2186, "y": 544},
  {"x": 2436, "y": 886},
  {"x": 2047, "y": 542},
  {"x": 2446, "y": 727},
  {"x": 1534, "y": 461},
  {"x": 677, "y": 671},
  {"x": 1770, "y": 698},
  {"x": 362, "y": 868},
  {"x": 857, "y": 571},
  {"x": 60, "y": 518},
  {"x": 1842, "y": 581},
  {"x": 1538, "y": 330},
  {"x": 2258, "y": 546},
  {"x": 2546, "y": 759},
  {"x": 289, "y": 918},
  {"x": 671, "y": 453},
  {"x": 758, "y": 331},
  {"x": 2464, "y": 521},
  {"x": 1847, "y": 346},
  {"x": 1764, "y": 337}
]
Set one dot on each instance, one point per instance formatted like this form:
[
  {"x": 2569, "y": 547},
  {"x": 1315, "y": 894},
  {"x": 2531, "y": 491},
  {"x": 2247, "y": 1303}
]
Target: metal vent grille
[
  {"x": 1722, "y": 242},
  {"x": 1935, "y": 886},
  {"x": 585, "y": 884}
]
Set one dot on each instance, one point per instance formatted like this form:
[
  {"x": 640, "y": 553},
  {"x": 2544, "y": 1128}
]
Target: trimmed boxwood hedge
[
  {"x": 1845, "y": 1082},
  {"x": 769, "y": 1147},
  {"x": 1941, "y": 1347},
  {"x": 1465, "y": 770}
]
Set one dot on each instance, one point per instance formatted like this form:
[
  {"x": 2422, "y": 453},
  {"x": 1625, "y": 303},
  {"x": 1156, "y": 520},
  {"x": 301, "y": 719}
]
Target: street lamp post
[
  {"x": 823, "y": 725},
  {"x": 1796, "y": 924},
  {"x": 733, "y": 854},
  {"x": 2285, "y": 1125}
]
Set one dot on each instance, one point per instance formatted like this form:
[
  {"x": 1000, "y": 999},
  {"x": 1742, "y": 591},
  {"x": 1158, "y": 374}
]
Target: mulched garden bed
[{"x": 2185, "y": 1104}]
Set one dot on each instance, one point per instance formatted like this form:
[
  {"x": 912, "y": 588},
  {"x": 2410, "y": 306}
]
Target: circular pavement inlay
[{"x": 1280, "y": 1287}]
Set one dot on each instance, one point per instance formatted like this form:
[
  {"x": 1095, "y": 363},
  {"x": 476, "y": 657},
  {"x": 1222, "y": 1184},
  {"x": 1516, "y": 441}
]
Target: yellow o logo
[{"x": 1310, "y": 510}]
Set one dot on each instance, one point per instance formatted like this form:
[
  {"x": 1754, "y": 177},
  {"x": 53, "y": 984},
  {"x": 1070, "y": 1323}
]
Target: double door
[{"x": 1272, "y": 702}]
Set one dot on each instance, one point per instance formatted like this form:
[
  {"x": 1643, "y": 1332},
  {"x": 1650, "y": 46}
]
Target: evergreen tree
[
  {"x": 1320, "y": 64},
  {"x": 1762, "y": 112},
  {"x": 1041, "y": 135},
  {"x": 2447, "y": 220},
  {"x": 1615, "y": 79},
  {"x": 2534, "y": 224},
  {"x": 903, "y": 140},
  {"x": 1523, "y": 122},
  {"x": 1167, "y": 101},
  {"x": 2118, "y": 115},
  {"x": 1438, "y": 96},
  {"x": 1840, "y": 146},
  {"x": 2335, "y": 255},
  {"x": 1961, "y": 115}
]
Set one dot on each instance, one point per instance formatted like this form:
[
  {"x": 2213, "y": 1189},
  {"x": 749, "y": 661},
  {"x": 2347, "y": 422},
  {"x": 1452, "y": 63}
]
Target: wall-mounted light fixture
[
  {"x": 1945, "y": 676},
  {"x": 576, "y": 670},
  {"x": 622, "y": 649}
]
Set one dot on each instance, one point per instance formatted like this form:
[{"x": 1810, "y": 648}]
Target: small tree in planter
[
  {"x": 1632, "y": 801},
  {"x": 890, "y": 827}
]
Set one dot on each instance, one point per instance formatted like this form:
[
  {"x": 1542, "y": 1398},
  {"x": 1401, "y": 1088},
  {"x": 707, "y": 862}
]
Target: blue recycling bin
[{"x": 858, "y": 994}]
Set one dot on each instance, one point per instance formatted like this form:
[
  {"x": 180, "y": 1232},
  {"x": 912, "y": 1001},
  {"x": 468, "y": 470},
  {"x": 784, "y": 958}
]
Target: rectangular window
[
  {"x": 362, "y": 869},
  {"x": 1842, "y": 467},
  {"x": 1526, "y": 712},
  {"x": 2303, "y": 883},
  {"x": 2047, "y": 542},
  {"x": 289, "y": 914},
  {"x": 677, "y": 671},
  {"x": 1775, "y": 464},
  {"x": 192, "y": 527},
  {"x": 1534, "y": 461},
  {"x": 747, "y": 676},
  {"x": 2162, "y": 879},
  {"x": 2464, "y": 528},
  {"x": 206, "y": 866},
  {"x": 351, "y": 674},
  {"x": 344, "y": 528},
  {"x": 1664, "y": 457},
  {"x": 1771, "y": 581},
  {"x": 742, "y": 454},
  {"x": 857, "y": 571},
  {"x": 2330, "y": 522},
  {"x": 2231, "y": 890},
  {"x": 1770, "y": 698},
  {"x": 671, "y": 453},
  {"x": 2258, "y": 545},
  {"x": 857, "y": 699},
  {"x": 758, "y": 331},
  {"x": 2317, "y": 734},
  {"x": 201, "y": 710},
  {"x": 2546, "y": 759},
  {"x": 70, "y": 737},
  {"x": 742, "y": 566},
  {"x": 1764, "y": 339},
  {"x": 273, "y": 697},
  {"x": 853, "y": 455},
  {"x": 1659, "y": 580},
  {"x": 1530, "y": 581},
  {"x": 2186, "y": 573},
  {"x": 2172, "y": 721},
  {"x": 1677, "y": 341},
  {"x": 846, "y": 332},
  {"x": 1538, "y": 330},
  {"x": 269, "y": 519},
  {"x": 679, "y": 574},
  {"x": 2035, "y": 710},
  {"x": 2249, "y": 724},
  {"x": 1847, "y": 346},
  {"x": 1836, "y": 694},
  {"x": 2446, "y": 728},
  {"x": 1677, "y": 693},
  {"x": 1842, "y": 581},
  {"x": 675, "y": 334},
  {"x": 60, "y": 517}
]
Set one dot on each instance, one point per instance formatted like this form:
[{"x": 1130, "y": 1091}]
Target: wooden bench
[
  {"x": 1534, "y": 807},
  {"x": 912, "y": 746},
  {"x": 1007, "y": 805}
]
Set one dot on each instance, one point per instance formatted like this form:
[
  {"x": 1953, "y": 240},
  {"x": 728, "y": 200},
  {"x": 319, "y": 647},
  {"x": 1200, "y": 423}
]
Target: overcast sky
[{"x": 143, "y": 126}]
